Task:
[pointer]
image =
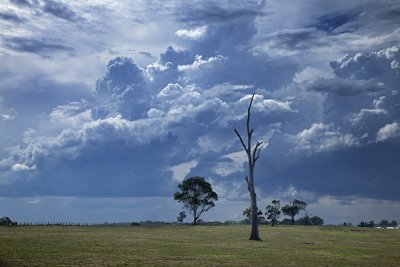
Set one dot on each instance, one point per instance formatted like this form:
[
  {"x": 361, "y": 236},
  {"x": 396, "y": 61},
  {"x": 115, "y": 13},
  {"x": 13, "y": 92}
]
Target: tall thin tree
[{"x": 252, "y": 156}]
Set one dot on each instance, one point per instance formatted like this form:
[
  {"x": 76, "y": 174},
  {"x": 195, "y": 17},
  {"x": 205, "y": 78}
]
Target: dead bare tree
[{"x": 252, "y": 155}]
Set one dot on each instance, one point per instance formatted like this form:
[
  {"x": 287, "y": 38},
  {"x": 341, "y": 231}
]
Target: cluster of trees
[
  {"x": 197, "y": 196},
  {"x": 292, "y": 209}
]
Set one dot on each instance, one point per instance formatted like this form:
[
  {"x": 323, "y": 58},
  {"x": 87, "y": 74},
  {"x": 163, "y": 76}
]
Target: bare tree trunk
[
  {"x": 254, "y": 217},
  {"x": 252, "y": 156}
]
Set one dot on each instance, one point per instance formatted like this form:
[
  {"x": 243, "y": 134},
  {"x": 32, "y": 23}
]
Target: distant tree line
[{"x": 383, "y": 223}]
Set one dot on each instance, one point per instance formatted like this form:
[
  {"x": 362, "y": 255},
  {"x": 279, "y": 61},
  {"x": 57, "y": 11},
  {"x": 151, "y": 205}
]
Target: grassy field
[{"x": 197, "y": 246}]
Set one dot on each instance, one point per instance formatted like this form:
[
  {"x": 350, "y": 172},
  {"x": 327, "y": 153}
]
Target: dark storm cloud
[
  {"x": 231, "y": 38},
  {"x": 383, "y": 14},
  {"x": 173, "y": 125},
  {"x": 382, "y": 65},
  {"x": 40, "y": 95},
  {"x": 123, "y": 88},
  {"x": 25, "y": 44},
  {"x": 355, "y": 171},
  {"x": 221, "y": 11},
  {"x": 362, "y": 97},
  {"x": 111, "y": 177},
  {"x": 25, "y": 3},
  {"x": 146, "y": 54},
  {"x": 373, "y": 72},
  {"x": 229, "y": 28},
  {"x": 299, "y": 39},
  {"x": 121, "y": 72},
  {"x": 391, "y": 14},
  {"x": 11, "y": 17},
  {"x": 176, "y": 57},
  {"x": 330, "y": 22},
  {"x": 59, "y": 10},
  {"x": 144, "y": 121},
  {"x": 344, "y": 87},
  {"x": 55, "y": 8}
]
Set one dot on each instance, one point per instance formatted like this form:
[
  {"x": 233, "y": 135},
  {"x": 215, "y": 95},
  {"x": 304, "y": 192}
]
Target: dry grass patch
[{"x": 197, "y": 246}]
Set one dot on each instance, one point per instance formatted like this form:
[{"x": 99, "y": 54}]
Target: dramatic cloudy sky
[{"x": 105, "y": 106}]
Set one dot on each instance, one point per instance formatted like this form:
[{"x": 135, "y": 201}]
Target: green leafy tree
[
  {"x": 273, "y": 212},
  {"x": 196, "y": 195},
  {"x": 181, "y": 217},
  {"x": 293, "y": 208}
]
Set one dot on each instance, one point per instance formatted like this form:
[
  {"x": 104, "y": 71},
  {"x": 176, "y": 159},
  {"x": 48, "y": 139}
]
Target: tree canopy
[
  {"x": 316, "y": 220},
  {"x": 294, "y": 208},
  {"x": 273, "y": 212},
  {"x": 196, "y": 195},
  {"x": 181, "y": 217}
]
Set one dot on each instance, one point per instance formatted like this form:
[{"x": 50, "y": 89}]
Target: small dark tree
[
  {"x": 247, "y": 213},
  {"x": 294, "y": 208},
  {"x": 181, "y": 217},
  {"x": 5, "y": 221},
  {"x": 196, "y": 195},
  {"x": 393, "y": 223},
  {"x": 315, "y": 220},
  {"x": 363, "y": 224},
  {"x": 273, "y": 212},
  {"x": 384, "y": 223},
  {"x": 252, "y": 156}
]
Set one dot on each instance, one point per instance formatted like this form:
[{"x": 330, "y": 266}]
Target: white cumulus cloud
[
  {"x": 321, "y": 137},
  {"x": 22, "y": 167},
  {"x": 391, "y": 130},
  {"x": 199, "y": 61},
  {"x": 193, "y": 34}
]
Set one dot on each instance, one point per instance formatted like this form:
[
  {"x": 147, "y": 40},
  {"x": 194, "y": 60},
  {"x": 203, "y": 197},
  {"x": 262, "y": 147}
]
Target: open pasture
[{"x": 197, "y": 246}]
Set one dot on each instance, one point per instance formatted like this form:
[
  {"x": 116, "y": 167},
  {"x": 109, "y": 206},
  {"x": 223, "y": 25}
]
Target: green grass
[{"x": 198, "y": 246}]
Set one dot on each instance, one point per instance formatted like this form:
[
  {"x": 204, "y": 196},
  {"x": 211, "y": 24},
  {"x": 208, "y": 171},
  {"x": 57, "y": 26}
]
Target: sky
[{"x": 106, "y": 106}]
